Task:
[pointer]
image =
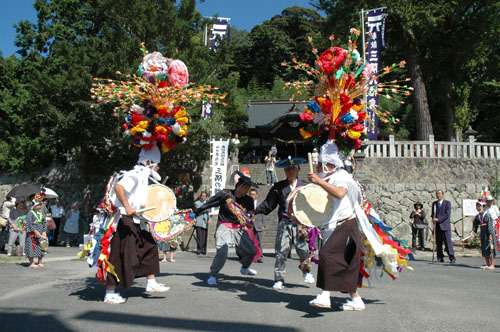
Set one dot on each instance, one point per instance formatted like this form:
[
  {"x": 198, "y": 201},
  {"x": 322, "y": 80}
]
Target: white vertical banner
[{"x": 218, "y": 155}]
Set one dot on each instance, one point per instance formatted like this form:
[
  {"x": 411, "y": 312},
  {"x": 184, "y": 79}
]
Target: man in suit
[
  {"x": 201, "y": 226},
  {"x": 441, "y": 212},
  {"x": 260, "y": 222}
]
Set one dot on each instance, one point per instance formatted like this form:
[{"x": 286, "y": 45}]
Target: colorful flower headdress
[
  {"x": 340, "y": 81},
  {"x": 154, "y": 100}
]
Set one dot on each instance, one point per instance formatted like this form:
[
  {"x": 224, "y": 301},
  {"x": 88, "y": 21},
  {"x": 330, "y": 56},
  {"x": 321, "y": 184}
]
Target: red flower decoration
[
  {"x": 326, "y": 106},
  {"x": 349, "y": 83},
  {"x": 163, "y": 85},
  {"x": 134, "y": 117},
  {"x": 331, "y": 59},
  {"x": 305, "y": 117},
  {"x": 358, "y": 127},
  {"x": 361, "y": 116}
]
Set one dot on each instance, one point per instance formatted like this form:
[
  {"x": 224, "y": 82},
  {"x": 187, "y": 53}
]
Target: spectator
[
  {"x": 48, "y": 218},
  {"x": 260, "y": 222},
  {"x": 236, "y": 143},
  {"x": 7, "y": 205},
  {"x": 418, "y": 226},
  {"x": 274, "y": 150},
  {"x": 201, "y": 226},
  {"x": 36, "y": 233},
  {"x": 315, "y": 156},
  {"x": 495, "y": 214},
  {"x": 58, "y": 215},
  {"x": 270, "y": 161},
  {"x": 71, "y": 226},
  {"x": 170, "y": 247},
  {"x": 16, "y": 232},
  {"x": 441, "y": 213},
  {"x": 349, "y": 163},
  {"x": 486, "y": 224},
  {"x": 254, "y": 158}
]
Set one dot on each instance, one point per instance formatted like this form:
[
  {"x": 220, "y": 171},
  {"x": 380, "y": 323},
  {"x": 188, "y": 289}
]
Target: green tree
[{"x": 74, "y": 41}]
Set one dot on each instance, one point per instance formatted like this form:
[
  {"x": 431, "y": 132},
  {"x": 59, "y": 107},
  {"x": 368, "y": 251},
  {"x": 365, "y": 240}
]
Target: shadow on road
[
  {"x": 258, "y": 290},
  {"x": 27, "y": 319},
  {"x": 178, "y": 323},
  {"x": 91, "y": 290}
]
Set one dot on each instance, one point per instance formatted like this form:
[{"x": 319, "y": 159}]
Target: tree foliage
[{"x": 451, "y": 47}]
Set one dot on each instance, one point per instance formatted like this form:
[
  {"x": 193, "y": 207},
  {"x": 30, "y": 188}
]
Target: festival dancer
[
  {"x": 230, "y": 233},
  {"x": 133, "y": 250},
  {"x": 339, "y": 257},
  {"x": 287, "y": 230},
  {"x": 486, "y": 224}
]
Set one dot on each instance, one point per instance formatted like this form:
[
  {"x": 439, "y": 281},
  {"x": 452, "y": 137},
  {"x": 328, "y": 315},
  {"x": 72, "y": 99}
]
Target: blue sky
[{"x": 244, "y": 14}]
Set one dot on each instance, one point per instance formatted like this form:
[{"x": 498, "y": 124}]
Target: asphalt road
[{"x": 65, "y": 296}]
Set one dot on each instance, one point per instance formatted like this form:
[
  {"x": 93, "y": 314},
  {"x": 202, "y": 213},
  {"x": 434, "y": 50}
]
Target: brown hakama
[
  {"x": 339, "y": 259},
  {"x": 133, "y": 253}
]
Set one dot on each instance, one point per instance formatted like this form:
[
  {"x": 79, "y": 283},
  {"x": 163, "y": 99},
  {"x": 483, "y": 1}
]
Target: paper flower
[
  {"x": 339, "y": 81},
  {"x": 154, "y": 100},
  {"x": 178, "y": 73}
]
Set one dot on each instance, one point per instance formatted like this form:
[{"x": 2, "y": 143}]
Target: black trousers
[
  {"x": 55, "y": 233},
  {"x": 421, "y": 238},
  {"x": 201, "y": 240}
]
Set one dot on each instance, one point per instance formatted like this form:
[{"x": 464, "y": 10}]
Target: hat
[
  {"x": 152, "y": 154},
  {"x": 37, "y": 200},
  {"x": 245, "y": 179},
  {"x": 489, "y": 198},
  {"x": 339, "y": 80},
  {"x": 481, "y": 201},
  {"x": 290, "y": 162},
  {"x": 418, "y": 203},
  {"x": 74, "y": 204},
  {"x": 155, "y": 100},
  {"x": 330, "y": 154}
]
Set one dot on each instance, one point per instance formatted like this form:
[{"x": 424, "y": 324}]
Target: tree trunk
[
  {"x": 420, "y": 105},
  {"x": 449, "y": 112}
]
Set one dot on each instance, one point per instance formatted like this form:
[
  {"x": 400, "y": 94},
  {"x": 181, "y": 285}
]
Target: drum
[
  {"x": 176, "y": 224},
  {"x": 163, "y": 199},
  {"x": 309, "y": 205}
]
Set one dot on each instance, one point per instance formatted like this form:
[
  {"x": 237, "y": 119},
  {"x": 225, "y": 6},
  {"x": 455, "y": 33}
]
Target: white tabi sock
[
  {"x": 325, "y": 293},
  {"x": 152, "y": 282},
  {"x": 110, "y": 292}
]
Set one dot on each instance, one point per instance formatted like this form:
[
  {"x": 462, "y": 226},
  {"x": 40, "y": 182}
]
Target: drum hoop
[
  {"x": 172, "y": 209},
  {"x": 291, "y": 203},
  {"x": 188, "y": 216}
]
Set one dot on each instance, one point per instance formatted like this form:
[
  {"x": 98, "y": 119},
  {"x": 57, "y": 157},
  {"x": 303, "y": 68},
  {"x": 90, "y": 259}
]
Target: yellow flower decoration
[
  {"x": 305, "y": 134},
  {"x": 353, "y": 134}
]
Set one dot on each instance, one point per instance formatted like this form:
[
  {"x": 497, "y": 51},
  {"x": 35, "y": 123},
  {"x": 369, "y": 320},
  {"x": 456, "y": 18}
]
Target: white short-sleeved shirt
[
  {"x": 135, "y": 183},
  {"x": 57, "y": 211},
  {"x": 494, "y": 213},
  {"x": 342, "y": 208}
]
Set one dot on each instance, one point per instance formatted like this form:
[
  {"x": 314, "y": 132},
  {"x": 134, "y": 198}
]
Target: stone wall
[
  {"x": 394, "y": 185},
  {"x": 65, "y": 180}
]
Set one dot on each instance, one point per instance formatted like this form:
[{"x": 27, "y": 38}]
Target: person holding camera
[{"x": 418, "y": 226}]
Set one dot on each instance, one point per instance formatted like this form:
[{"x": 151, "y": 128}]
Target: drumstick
[
  {"x": 309, "y": 157},
  {"x": 149, "y": 208}
]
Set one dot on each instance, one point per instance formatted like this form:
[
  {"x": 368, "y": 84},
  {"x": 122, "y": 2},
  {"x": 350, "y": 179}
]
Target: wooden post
[
  {"x": 309, "y": 157},
  {"x": 463, "y": 232}
]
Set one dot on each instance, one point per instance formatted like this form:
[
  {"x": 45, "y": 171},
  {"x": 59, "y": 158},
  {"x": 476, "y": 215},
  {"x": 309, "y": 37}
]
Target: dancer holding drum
[
  {"x": 133, "y": 250},
  {"x": 287, "y": 230},
  {"x": 230, "y": 232},
  {"x": 339, "y": 257}
]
